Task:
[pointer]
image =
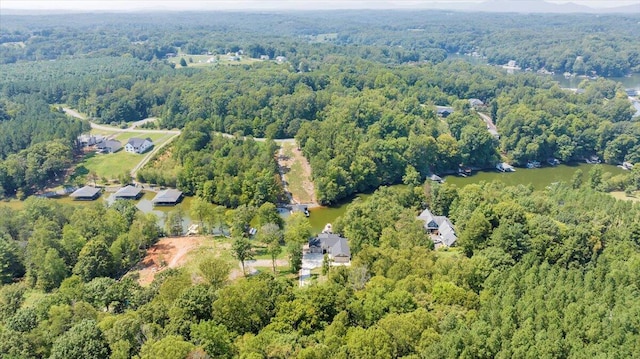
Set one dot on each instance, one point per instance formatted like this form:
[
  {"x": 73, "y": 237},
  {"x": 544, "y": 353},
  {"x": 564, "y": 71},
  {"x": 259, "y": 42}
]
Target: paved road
[
  {"x": 488, "y": 121},
  {"x": 74, "y": 113}
]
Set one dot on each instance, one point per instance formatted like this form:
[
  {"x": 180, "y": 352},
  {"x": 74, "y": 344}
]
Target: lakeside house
[
  {"x": 332, "y": 244},
  {"x": 439, "y": 228},
  {"x": 128, "y": 192},
  {"x": 86, "y": 193},
  {"x": 138, "y": 145},
  {"x": 168, "y": 197}
]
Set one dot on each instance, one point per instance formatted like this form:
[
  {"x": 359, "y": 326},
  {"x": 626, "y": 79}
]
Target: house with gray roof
[
  {"x": 86, "y": 193},
  {"x": 138, "y": 145},
  {"x": 128, "y": 192},
  {"x": 440, "y": 228},
  {"x": 109, "y": 146},
  {"x": 168, "y": 197},
  {"x": 332, "y": 244}
]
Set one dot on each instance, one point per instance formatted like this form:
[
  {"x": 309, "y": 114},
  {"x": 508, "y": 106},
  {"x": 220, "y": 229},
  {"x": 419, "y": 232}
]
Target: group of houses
[
  {"x": 107, "y": 145},
  {"x": 167, "y": 197}
]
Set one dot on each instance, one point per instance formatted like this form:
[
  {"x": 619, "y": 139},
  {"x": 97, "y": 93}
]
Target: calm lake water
[
  {"x": 538, "y": 177},
  {"x": 628, "y": 82},
  {"x": 144, "y": 204}
]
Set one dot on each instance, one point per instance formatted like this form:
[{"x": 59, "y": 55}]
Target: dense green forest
[
  {"x": 580, "y": 43},
  {"x": 357, "y": 98},
  {"x": 552, "y": 274}
]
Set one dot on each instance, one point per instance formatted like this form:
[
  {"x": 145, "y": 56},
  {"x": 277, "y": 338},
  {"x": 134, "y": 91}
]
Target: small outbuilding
[
  {"x": 86, "y": 193},
  {"x": 168, "y": 197},
  {"x": 128, "y": 192}
]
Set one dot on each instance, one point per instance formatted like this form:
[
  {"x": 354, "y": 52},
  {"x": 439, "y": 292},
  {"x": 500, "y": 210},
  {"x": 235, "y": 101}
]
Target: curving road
[{"x": 171, "y": 133}]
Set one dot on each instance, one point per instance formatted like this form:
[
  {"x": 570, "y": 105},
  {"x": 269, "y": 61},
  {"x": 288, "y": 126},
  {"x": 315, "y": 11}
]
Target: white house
[{"x": 138, "y": 145}]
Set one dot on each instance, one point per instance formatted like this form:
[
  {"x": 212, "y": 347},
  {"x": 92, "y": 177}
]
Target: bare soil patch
[
  {"x": 167, "y": 253},
  {"x": 297, "y": 174}
]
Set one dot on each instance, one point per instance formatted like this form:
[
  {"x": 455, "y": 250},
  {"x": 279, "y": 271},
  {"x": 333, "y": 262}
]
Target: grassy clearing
[
  {"x": 157, "y": 138},
  {"x": 260, "y": 251},
  {"x": 621, "y": 195},
  {"x": 211, "y": 60},
  {"x": 108, "y": 165},
  {"x": 112, "y": 165}
]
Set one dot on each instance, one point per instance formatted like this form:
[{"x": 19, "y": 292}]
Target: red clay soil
[{"x": 167, "y": 253}]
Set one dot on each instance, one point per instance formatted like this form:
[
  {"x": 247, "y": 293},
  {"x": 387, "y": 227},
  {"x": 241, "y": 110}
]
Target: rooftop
[
  {"x": 85, "y": 192},
  {"x": 168, "y": 196},
  {"x": 334, "y": 244},
  {"x": 128, "y": 191}
]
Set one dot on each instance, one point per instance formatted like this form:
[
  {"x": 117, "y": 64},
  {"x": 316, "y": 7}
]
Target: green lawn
[
  {"x": 108, "y": 165},
  {"x": 155, "y": 137},
  {"x": 112, "y": 165}
]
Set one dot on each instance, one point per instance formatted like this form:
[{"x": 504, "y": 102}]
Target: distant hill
[
  {"x": 531, "y": 6},
  {"x": 516, "y": 6}
]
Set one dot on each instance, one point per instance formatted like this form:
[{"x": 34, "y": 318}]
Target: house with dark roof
[
  {"x": 440, "y": 229},
  {"x": 86, "y": 193},
  {"x": 444, "y": 111},
  {"x": 128, "y": 192},
  {"x": 109, "y": 146},
  {"x": 332, "y": 244},
  {"x": 138, "y": 145},
  {"x": 168, "y": 197}
]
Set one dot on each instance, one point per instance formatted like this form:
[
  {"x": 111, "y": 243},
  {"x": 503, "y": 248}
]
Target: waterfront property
[
  {"x": 168, "y": 197},
  {"x": 128, "y": 192},
  {"x": 436, "y": 178},
  {"x": 86, "y": 193},
  {"x": 439, "y": 228},
  {"x": 332, "y": 244},
  {"x": 505, "y": 167}
]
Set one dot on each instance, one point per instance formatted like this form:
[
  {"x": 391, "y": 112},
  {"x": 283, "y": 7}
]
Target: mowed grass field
[
  {"x": 112, "y": 165},
  {"x": 203, "y": 60}
]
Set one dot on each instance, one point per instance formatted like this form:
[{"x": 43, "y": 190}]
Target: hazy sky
[{"x": 254, "y": 4}]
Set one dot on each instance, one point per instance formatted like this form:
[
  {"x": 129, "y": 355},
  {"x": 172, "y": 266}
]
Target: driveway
[{"x": 312, "y": 260}]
